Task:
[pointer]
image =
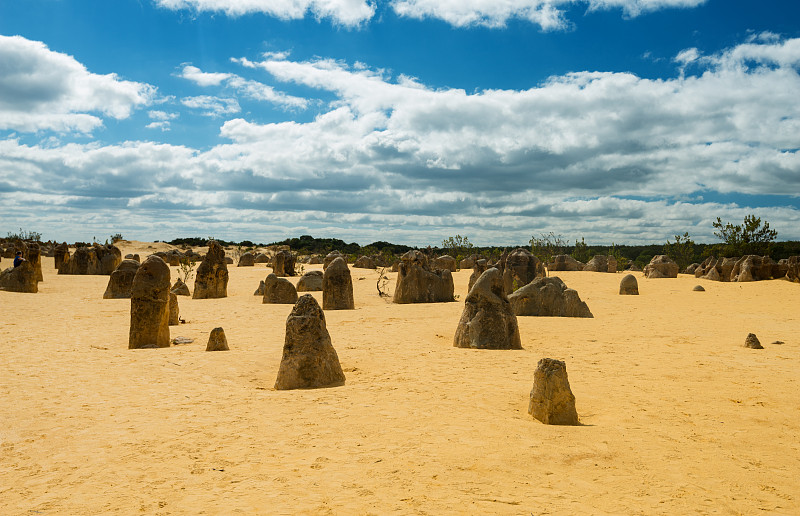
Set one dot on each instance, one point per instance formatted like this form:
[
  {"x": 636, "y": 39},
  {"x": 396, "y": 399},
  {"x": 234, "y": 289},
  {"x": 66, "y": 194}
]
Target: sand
[{"x": 678, "y": 417}]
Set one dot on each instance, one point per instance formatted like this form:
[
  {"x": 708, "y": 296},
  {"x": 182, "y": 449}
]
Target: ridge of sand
[{"x": 678, "y": 416}]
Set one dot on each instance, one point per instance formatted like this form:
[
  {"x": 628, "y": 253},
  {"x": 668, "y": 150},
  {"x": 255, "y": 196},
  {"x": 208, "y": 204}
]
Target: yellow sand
[{"x": 678, "y": 416}]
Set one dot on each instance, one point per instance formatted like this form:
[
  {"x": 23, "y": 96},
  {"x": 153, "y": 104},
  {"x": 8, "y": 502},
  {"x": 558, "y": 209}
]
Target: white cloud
[
  {"x": 548, "y": 14},
  {"x": 247, "y": 88},
  {"x": 610, "y": 156},
  {"x": 201, "y": 78},
  {"x": 45, "y": 90},
  {"x": 212, "y": 106},
  {"x": 162, "y": 115},
  {"x": 345, "y": 12}
]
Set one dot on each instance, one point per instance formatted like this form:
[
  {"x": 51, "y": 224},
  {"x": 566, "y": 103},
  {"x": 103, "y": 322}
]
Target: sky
[{"x": 409, "y": 121}]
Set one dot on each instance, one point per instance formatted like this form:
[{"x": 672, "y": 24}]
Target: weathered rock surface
[
  {"x": 741, "y": 269},
  {"x": 552, "y": 401},
  {"x": 150, "y": 305},
  {"x": 211, "y": 281},
  {"x": 601, "y": 263},
  {"x": 332, "y": 256},
  {"x": 217, "y": 340},
  {"x": 488, "y": 321},
  {"x": 247, "y": 259},
  {"x": 445, "y": 262},
  {"x": 261, "y": 258},
  {"x": 565, "y": 262},
  {"x": 364, "y": 262},
  {"x": 283, "y": 263},
  {"x": 98, "y": 259},
  {"x": 478, "y": 268},
  {"x": 661, "y": 266},
  {"x": 629, "y": 286},
  {"x": 278, "y": 291},
  {"x": 793, "y": 269},
  {"x": 309, "y": 359},
  {"x": 311, "y": 281},
  {"x": 691, "y": 268},
  {"x": 716, "y": 269},
  {"x": 180, "y": 288},
  {"x": 33, "y": 254},
  {"x": 548, "y": 297},
  {"x": 468, "y": 263},
  {"x": 337, "y": 287},
  {"x": 752, "y": 342},
  {"x": 20, "y": 279},
  {"x": 752, "y": 268},
  {"x": 61, "y": 255},
  {"x": 172, "y": 257},
  {"x": 121, "y": 280},
  {"x": 417, "y": 283},
  {"x": 524, "y": 268},
  {"x": 260, "y": 290},
  {"x": 174, "y": 310}
]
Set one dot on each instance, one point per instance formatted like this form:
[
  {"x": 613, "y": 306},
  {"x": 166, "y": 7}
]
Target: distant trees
[
  {"x": 25, "y": 235},
  {"x": 457, "y": 246},
  {"x": 581, "y": 251},
  {"x": 548, "y": 246},
  {"x": 682, "y": 250},
  {"x": 750, "y": 237}
]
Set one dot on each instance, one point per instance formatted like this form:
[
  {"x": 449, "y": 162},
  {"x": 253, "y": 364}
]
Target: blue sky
[{"x": 624, "y": 121}]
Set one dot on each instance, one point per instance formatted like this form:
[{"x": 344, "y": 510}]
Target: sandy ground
[{"x": 678, "y": 417}]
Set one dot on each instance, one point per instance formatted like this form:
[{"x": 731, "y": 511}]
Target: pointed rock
[
  {"x": 552, "y": 401},
  {"x": 150, "y": 305},
  {"x": 121, "y": 280},
  {"x": 337, "y": 287},
  {"x": 180, "y": 288},
  {"x": 174, "y": 310},
  {"x": 217, "y": 340},
  {"x": 309, "y": 360},
  {"x": 752, "y": 342},
  {"x": 212, "y": 274},
  {"x": 488, "y": 321}
]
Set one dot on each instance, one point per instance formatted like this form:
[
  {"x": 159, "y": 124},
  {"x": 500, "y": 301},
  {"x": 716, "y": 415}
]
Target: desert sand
[{"x": 677, "y": 416}]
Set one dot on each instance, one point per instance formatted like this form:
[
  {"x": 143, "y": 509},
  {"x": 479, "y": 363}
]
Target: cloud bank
[
  {"x": 45, "y": 90},
  {"x": 611, "y": 156},
  {"x": 548, "y": 14}
]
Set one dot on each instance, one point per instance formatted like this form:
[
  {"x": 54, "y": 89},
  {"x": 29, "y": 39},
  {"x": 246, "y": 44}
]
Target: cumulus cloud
[
  {"x": 548, "y": 14},
  {"x": 611, "y": 156},
  {"x": 344, "y": 12},
  {"x": 45, "y": 90},
  {"x": 212, "y": 106},
  {"x": 161, "y": 120},
  {"x": 247, "y": 88}
]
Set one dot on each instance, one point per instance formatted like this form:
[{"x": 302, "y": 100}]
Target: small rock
[
  {"x": 698, "y": 288},
  {"x": 309, "y": 359},
  {"x": 629, "y": 286},
  {"x": 181, "y": 340},
  {"x": 779, "y": 342},
  {"x": 260, "y": 290},
  {"x": 552, "y": 401},
  {"x": 752, "y": 342},
  {"x": 278, "y": 291},
  {"x": 217, "y": 340},
  {"x": 311, "y": 281}
]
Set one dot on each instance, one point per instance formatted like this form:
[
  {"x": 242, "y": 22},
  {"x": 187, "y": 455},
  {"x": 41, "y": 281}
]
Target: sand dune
[{"x": 678, "y": 417}]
